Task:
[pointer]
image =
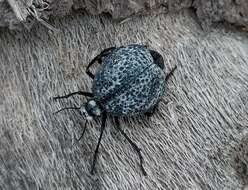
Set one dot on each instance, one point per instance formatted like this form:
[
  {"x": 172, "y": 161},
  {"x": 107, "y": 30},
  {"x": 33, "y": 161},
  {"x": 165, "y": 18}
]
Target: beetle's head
[{"x": 90, "y": 110}]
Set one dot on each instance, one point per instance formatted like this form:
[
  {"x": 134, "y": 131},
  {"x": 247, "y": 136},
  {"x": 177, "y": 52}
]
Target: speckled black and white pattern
[{"x": 128, "y": 82}]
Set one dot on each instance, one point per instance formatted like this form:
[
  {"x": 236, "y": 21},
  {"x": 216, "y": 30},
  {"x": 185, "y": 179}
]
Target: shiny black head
[{"x": 90, "y": 110}]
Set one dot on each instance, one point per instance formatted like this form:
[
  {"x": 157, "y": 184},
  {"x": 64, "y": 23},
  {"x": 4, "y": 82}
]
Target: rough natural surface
[
  {"x": 230, "y": 11},
  {"x": 185, "y": 145},
  {"x": 42, "y": 9},
  {"x": 28, "y": 12},
  {"x": 239, "y": 158}
]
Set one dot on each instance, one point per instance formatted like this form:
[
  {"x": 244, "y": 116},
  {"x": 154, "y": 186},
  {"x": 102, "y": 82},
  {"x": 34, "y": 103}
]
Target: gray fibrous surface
[
  {"x": 239, "y": 158},
  {"x": 117, "y": 9},
  {"x": 185, "y": 144},
  {"x": 232, "y": 11},
  {"x": 207, "y": 11}
]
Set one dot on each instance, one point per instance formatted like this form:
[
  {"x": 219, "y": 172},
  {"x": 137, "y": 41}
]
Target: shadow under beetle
[{"x": 130, "y": 81}]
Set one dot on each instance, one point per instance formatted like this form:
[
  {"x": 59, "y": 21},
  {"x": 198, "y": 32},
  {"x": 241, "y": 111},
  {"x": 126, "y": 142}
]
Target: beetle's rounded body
[{"x": 128, "y": 82}]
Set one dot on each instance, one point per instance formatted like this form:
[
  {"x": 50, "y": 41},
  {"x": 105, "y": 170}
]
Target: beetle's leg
[
  {"x": 85, "y": 126},
  {"x": 88, "y": 94},
  {"x": 98, "y": 58},
  {"x": 170, "y": 73},
  {"x": 158, "y": 59},
  {"x": 134, "y": 146},
  {"x": 151, "y": 111},
  {"x": 104, "y": 117}
]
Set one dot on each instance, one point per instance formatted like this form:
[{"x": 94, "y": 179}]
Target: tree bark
[
  {"x": 207, "y": 11},
  {"x": 191, "y": 142}
]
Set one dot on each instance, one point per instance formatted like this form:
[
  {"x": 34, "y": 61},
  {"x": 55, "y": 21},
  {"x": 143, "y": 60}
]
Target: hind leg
[
  {"x": 157, "y": 58},
  {"x": 134, "y": 146},
  {"x": 150, "y": 112},
  {"x": 170, "y": 73}
]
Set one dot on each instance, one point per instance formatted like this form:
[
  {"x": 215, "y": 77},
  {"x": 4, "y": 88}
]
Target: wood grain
[{"x": 185, "y": 145}]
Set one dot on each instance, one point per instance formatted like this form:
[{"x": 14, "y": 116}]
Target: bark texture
[
  {"x": 194, "y": 141},
  {"x": 231, "y": 11},
  {"x": 240, "y": 158},
  {"x": 207, "y": 11}
]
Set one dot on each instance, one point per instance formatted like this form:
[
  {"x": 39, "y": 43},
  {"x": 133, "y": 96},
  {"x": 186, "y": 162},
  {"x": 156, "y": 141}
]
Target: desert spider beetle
[{"x": 130, "y": 81}]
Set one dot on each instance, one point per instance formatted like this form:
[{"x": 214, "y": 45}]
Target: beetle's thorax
[{"x": 90, "y": 109}]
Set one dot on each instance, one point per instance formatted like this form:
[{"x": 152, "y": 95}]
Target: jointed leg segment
[
  {"x": 104, "y": 118},
  {"x": 134, "y": 146},
  {"x": 98, "y": 58},
  {"x": 170, "y": 73},
  {"x": 88, "y": 94},
  {"x": 85, "y": 126}
]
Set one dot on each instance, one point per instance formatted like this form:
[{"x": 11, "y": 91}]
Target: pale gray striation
[{"x": 184, "y": 144}]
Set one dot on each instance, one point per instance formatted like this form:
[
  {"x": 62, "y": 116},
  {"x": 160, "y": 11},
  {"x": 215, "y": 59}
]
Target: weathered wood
[
  {"x": 20, "y": 9},
  {"x": 235, "y": 11},
  {"x": 185, "y": 145},
  {"x": 207, "y": 11}
]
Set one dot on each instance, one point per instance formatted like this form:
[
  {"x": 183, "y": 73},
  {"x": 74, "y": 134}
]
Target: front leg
[
  {"x": 88, "y": 94},
  {"x": 98, "y": 58},
  {"x": 104, "y": 118}
]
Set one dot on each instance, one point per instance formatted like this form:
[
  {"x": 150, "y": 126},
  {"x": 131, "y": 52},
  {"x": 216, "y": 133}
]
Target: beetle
[{"x": 130, "y": 81}]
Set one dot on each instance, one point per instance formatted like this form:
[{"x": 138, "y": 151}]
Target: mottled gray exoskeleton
[{"x": 129, "y": 81}]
